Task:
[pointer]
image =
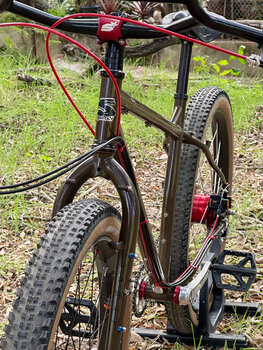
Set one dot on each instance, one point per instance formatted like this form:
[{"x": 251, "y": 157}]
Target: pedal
[{"x": 234, "y": 270}]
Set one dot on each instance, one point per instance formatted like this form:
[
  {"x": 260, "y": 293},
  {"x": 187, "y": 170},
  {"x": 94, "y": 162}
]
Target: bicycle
[{"x": 77, "y": 289}]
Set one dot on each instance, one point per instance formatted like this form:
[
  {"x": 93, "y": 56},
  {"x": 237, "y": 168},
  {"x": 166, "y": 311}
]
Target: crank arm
[{"x": 187, "y": 294}]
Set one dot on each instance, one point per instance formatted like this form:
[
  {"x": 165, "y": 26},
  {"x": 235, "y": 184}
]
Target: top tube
[{"x": 131, "y": 31}]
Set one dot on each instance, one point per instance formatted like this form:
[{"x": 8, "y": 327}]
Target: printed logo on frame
[{"x": 106, "y": 111}]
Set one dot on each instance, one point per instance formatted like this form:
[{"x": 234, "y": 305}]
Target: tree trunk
[
  {"x": 150, "y": 48},
  {"x": 143, "y": 50},
  {"x": 39, "y": 4}
]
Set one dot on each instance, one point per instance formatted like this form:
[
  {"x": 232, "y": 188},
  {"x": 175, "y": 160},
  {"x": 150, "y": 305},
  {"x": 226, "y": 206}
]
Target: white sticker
[{"x": 108, "y": 27}]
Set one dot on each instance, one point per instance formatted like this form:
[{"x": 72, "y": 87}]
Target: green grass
[
  {"x": 40, "y": 131},
  {"x": 41, "y": 128}
]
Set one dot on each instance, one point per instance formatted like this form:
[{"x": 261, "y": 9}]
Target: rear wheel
[
  {"x": 65, "y": 298},
  {"x": 209, "y": 119}
]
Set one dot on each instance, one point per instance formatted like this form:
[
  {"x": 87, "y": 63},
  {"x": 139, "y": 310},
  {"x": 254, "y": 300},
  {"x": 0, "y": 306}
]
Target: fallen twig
[{"x": 30, "y": 80}]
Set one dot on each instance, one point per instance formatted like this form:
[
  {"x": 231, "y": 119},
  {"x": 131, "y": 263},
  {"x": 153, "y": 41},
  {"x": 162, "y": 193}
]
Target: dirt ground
[{"x": 246, "y": 234}]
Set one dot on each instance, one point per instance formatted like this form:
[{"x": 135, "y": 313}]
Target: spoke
[
  {"x": 75, "y": 298},
  {"x": 92, "y": 272},
  {"x": 194, "y": 243},
  {"x": 216, "y": 178},
  {"x": 97, "y": 306},
  {"x": 62, "y": 345},
  {"x": 67, "y": 342},
  {"x": 92, "y": 269},
  {"x": 92, "y": 293},
  {"x": 217, "y": 151},
  {"x": 102, "y": 325},
  {"x": 192, "y": 240},
  {"x": 204, "y": 159},
  {"x": 217, "y": 160},
  {"x": 206, "y": 181},
  {"x": 73, "y": 343},
  {"x": 79, "y": 294},
  {"x": 217, "y": 147},
  {"x": 89, "y": 284}
]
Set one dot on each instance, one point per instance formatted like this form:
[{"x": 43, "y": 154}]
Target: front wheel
[
  {"x": 65, "y": 298},
  {"x": 208, "y": 118}
]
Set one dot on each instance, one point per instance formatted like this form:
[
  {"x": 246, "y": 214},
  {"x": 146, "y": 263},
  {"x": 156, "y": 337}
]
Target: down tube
[
  {"x": 160, "y": 263},
  {"x": 145, "y": 239}
]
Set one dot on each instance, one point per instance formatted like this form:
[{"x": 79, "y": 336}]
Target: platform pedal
[{"x": 234, "y": 270}]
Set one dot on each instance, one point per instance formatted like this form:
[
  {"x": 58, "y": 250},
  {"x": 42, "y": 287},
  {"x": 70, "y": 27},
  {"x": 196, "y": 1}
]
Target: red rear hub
[{"x": 200, "y": 212}]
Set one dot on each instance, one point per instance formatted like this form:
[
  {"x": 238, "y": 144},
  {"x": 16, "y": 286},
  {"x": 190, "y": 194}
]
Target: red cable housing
[
  {"x": 18, "y": 24},
  {"x": 165, "y": 31},
  {"x": 180, "y": 36},
  {"x": 51, "y": 30},
  {"x": 162, "y": 30}
]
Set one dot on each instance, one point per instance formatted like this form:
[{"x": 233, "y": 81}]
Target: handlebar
[
  {"x": 219, "y": 23},
  {"x": 223, "y": 25},
  {"x": 90, "y": 26}
]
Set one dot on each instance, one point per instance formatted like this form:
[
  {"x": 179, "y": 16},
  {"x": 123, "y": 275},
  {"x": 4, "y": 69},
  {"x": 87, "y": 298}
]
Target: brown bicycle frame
[{"x": 117, "y": 167}]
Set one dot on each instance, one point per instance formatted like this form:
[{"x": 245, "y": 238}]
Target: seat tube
[
  {"x": 173, "y": 163},
  {"x": 106, "y": 124}
]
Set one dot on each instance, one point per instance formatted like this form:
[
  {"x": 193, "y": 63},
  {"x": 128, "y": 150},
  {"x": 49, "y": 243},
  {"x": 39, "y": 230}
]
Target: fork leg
[{"x": 128, "y": 238}]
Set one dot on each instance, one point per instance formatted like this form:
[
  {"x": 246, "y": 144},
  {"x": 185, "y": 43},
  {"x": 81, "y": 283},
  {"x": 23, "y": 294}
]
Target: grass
[{"x": 40, "y": 131}]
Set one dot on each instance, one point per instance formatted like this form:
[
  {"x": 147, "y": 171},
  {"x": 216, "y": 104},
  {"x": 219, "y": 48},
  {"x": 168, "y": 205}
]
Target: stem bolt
[{"x": 121, "y": 42}]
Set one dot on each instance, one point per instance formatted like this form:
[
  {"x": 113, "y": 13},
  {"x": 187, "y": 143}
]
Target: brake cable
[
  {"x": 62, "y": 170},
  {"x": 82, "y": 47},
  {"x": 252, "y": 60}
]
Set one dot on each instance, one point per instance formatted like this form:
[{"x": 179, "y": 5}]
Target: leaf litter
[{"x": 246, "y": 233}]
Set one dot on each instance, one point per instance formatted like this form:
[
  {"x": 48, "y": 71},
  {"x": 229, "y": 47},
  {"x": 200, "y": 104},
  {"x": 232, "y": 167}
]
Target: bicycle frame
[
  {"x": 117, "y": 167},
  {"x": 105, "y": 130},
  {"x": 103, "y": 164}
]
